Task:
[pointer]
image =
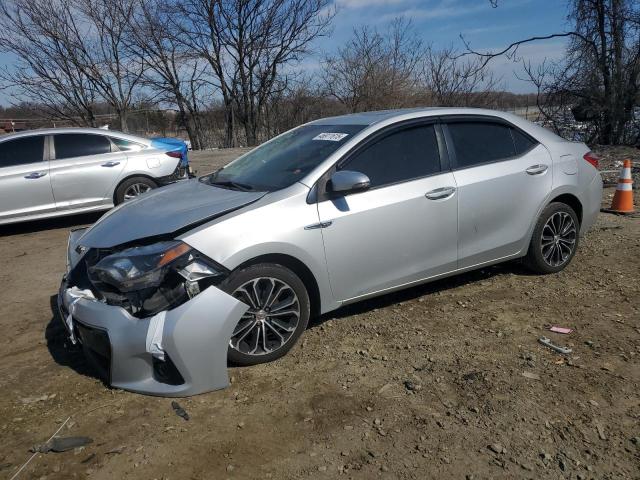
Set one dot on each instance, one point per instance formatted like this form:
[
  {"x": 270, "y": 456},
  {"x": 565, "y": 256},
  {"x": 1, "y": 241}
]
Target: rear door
[
  {"x": 503, "y": 177},
  {"x": 85, "y": 168},
  {"x": 404, "y": 228},
  {"x": 25, "y": 187}
]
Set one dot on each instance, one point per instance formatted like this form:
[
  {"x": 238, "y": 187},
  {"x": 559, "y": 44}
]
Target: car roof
[
  {"x": 54, "y": 131},
  {"x": 391, "y": 116}
]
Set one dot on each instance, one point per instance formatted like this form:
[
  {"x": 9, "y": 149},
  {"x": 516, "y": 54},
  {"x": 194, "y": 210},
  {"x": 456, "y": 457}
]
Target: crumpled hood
[{"x": 164, "y": 211}]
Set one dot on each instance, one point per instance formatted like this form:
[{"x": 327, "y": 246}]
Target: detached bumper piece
[
  {"x": 183, "y": 354},
  {"x": 182, "y": 172}
]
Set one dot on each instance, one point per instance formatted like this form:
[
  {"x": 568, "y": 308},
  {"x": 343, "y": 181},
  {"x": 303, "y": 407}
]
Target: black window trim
[
  {"x": 45, "y": 150},
  {"x": 52, "y": 146},
  {"x": 319, "y": 193},
  {"x": 446, "y": 119}
]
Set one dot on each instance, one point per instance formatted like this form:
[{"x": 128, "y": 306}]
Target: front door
[
  {"x": 404, "y": 228},
  {"x": 25, "y": 187}
]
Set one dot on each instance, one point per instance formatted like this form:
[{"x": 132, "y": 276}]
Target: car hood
[{"x": 165, "y": 211}]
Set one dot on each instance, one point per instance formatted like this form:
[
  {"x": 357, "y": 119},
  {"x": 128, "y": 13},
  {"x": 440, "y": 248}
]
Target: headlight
[{"x": 139, "y": 267}]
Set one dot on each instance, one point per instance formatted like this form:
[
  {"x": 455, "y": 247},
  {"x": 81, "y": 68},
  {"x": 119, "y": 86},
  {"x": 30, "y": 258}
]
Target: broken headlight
[{"x": 152, "y": 278}]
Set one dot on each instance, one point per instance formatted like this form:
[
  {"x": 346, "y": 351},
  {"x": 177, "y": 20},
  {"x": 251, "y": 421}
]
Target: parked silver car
[
  {"x": 163, "y": 290},
  {"x": 48, "y": 173}
]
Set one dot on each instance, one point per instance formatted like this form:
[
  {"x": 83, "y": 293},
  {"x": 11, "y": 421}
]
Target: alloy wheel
[
  {"x": 558, "y": 239},
  {"x": 135, "y": 190},
  {"x": 272, "y": 317}
]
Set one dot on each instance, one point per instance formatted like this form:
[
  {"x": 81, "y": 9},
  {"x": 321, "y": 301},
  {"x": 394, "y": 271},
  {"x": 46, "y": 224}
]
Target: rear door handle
[
  {"x": 536, "y": 169},
  {"x": 34, "y": 175},
  {"x": 440, "y": 193},
  {"x": 110, "y": 164}
]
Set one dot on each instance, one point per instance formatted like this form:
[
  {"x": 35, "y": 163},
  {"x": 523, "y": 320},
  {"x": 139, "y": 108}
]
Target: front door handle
[
  {"x": 110, "y": 164},
  {"x": 536, "y": 169},
  {"x": 440, "y": 193},
  {"x": 34, "y": 175}
]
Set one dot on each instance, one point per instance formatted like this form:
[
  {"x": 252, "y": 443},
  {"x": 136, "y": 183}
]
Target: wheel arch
[
  {"x": 570, "y": 200},
  {"x": 299, "y": 268},
  {"x": 129, "y": 177}
]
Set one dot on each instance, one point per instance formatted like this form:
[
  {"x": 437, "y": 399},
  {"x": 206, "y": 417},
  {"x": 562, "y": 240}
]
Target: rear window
[
  {"x": 522, "y": 142},
  {"x": 22, "y": 151},
  {"x": 126, "y": 145},
  {"x": 481, "y": 142},
  {"x": 69, "y": 145}
]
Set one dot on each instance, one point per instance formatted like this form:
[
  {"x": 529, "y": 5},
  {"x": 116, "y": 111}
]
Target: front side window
[
  {"x": 22, "y": 151},
  {"x": 69, "y": 145},
  {"x": 284, "y": 160},
  {"x": 400, "y": 156},
  {"x": 480, "y": 142}
]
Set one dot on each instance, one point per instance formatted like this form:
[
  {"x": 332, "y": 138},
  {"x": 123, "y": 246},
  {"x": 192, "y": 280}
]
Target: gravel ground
[{"x": 445, "y": 380}]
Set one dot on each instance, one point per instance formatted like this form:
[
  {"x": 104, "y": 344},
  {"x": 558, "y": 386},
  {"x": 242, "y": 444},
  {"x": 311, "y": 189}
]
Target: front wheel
[
  {"x": 555, "y": 239},
  {"x": 278, "y": 313}
]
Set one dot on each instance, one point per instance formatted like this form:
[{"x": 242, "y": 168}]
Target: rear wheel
[
  {"x": 555, "y": 239},
  {"x": 132, "y": 188},
  {"x": 278, "y": 313}
]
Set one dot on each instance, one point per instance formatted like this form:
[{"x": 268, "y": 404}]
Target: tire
[
  {"x": 125, "y": 188},
  {"x": 555, "y": 239},
  {"x": 275, "y": 321}
]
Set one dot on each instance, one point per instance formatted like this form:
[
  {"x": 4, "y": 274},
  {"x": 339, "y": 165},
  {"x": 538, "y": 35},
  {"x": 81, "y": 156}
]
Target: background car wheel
[
  {"x": 555, "y": 239},
  {"x": 279, "y": 311},
  {"x": 133, "y": 187}
]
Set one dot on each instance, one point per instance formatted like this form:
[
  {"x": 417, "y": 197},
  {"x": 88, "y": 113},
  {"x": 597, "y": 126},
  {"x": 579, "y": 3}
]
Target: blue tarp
[{"x": 172, "y": 145}]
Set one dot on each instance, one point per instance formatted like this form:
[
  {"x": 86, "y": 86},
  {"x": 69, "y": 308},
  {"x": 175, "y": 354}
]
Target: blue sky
[{"x": 440, "y": 22}]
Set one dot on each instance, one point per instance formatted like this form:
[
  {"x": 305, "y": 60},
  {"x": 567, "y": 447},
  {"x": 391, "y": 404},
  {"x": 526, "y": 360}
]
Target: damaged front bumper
[{"x": 177, "y": 352}]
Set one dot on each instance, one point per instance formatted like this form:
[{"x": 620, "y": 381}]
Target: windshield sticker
[{"x": 331, "y": 137}]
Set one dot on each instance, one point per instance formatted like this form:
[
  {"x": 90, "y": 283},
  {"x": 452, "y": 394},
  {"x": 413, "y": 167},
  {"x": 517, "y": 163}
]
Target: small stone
[
  {"x": 230, "y": 468},
  {"x": 241, "y": 425},
  {"x": 636, "y": 441},
  {"x": 322, "y": 468},
  {"x": 497, "y": 448},
  {"x": 594, "y": 403},
  {"x": 369, "y": 409}
]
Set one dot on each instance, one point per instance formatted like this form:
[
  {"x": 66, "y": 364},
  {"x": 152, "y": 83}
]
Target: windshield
[{"x": 284, "y": 160}]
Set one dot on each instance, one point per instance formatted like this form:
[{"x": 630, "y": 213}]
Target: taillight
[
  {"x": 175, "y": 154},
  {"x": 592, "y": 159}
]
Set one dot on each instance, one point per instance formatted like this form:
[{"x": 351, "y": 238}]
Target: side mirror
[{"x": 347, "y": 181}]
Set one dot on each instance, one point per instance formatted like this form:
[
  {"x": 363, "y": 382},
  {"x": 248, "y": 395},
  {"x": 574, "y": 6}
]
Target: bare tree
[
  {"x": 171, "y": 72},
  {"x": 455, "y": 81},
  {"x": 114, "y": 70},
  {"x": 248, "y": 45},
  {"x": 600, "y": 76},
  {"x": 47, "y": 70},
  {"x": 375, "y": 70}
]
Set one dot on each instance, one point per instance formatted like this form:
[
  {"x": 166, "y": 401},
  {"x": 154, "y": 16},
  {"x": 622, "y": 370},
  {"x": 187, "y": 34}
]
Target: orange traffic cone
[{"x": 623, "y": 198}]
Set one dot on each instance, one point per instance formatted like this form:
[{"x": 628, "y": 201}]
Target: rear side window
[
  {"x": 480, "y": 142},
  {"x": 403, "y": 155},
  {"x": 22, "y": 151},
  {"x": 126, "y": 145},
  {"x": 522, "y": 142},
  {"x": 69, "y": 145}
]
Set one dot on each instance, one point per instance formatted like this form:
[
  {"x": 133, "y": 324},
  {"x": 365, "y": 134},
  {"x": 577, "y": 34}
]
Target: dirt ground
[{"x": 440, "y": 381}]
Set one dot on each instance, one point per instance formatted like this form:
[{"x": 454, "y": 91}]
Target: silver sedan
[
  {"x": 163, "y": 291},
  {"x": 48, "y": 173}
]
